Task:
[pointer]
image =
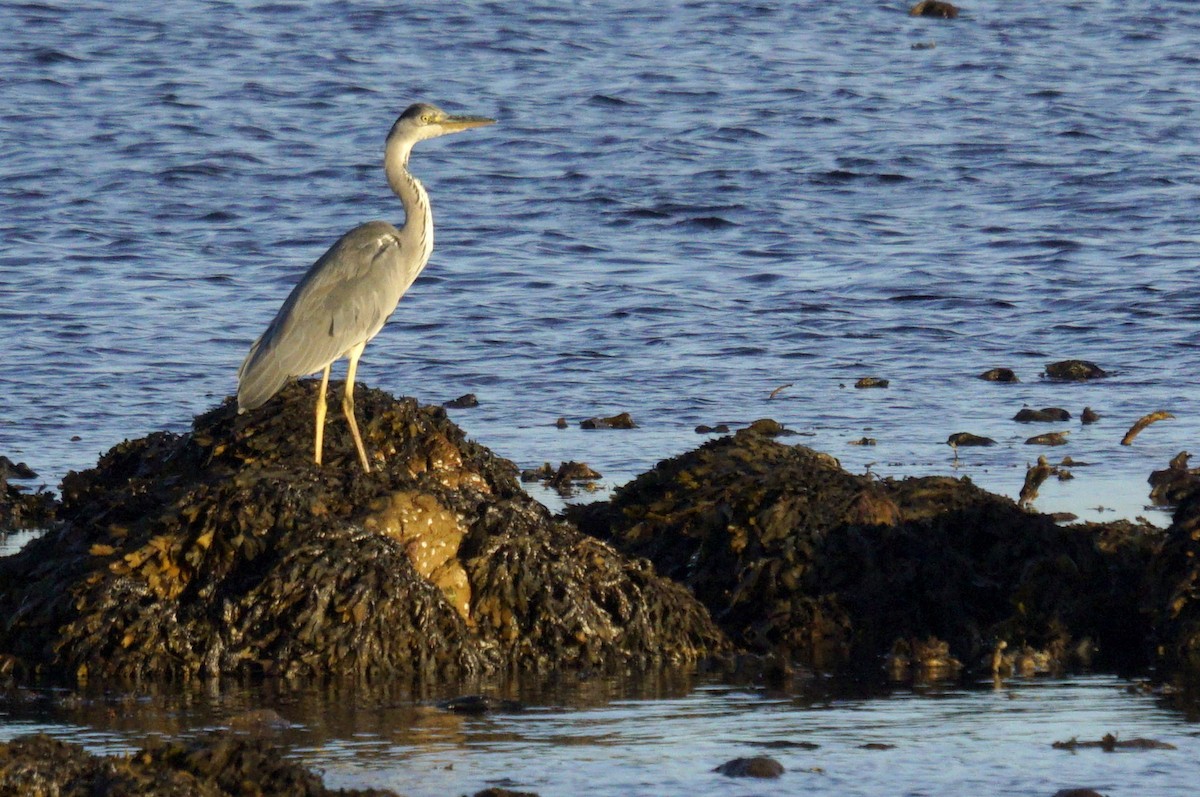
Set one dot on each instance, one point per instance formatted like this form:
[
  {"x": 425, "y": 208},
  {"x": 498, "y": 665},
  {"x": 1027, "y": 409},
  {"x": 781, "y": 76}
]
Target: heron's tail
[{"x": 259, "y": 378}]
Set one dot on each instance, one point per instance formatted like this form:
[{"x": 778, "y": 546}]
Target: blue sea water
[{"x": 685, "y": 207}]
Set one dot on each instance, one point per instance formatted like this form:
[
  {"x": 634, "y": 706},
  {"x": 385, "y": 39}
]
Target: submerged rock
[
  {"x": 214, "y": 766},
  {"x": 227, "y": 550},
  {"x": 791, "y": 552}
]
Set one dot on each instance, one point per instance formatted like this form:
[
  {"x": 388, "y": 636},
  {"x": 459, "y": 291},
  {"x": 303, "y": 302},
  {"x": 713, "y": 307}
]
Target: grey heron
[{"x": 347, "y": 295}]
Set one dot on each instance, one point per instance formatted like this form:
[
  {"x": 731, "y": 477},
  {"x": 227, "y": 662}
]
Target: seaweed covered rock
[
  {"x": 228, "y": 550},
  {"x": 791, "y": 552},
  {"x": 19, "y": 508},
  {"x": 215, "y": 766},
  {"x": 1176, "y": 593}
]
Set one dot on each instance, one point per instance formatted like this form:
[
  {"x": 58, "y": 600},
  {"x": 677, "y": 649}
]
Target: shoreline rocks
[
  {"x": 791, "y": 553},
  {"x": 227, "y": 551}
]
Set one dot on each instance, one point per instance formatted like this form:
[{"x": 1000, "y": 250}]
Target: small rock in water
[
  {"x": 622, "y": 421},
  {"x": 999, "y": 375},
  {"x": 465, "y": 401},
  {"x": 1048, "y": 439},
  {"x": 769, "y": 427},
  {"x": 1046, "y": 414},
  {"x": 871, "y": 381},
  {"x": 561, "y": 423},
  {"x": 933, "y": 8},
  {"x": 720, "y": 428},
  {"x": 15, "y": 470},
  {"x": 967, "y": 439},
  {"x": 1077, "y": 793},
  {"x": 1109, "y": 743},
  {"x": 1170, "y": 486},
  {"x": 1089, "y": 415},
  {"x": 1074, "y": 370},
  {"x": 757, "y": 767}
]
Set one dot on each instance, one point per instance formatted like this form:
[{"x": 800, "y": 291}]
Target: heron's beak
[{"x": 452, "y": 124}]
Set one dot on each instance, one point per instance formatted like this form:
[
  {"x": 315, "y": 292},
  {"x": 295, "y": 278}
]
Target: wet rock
[
  {"x": 15, "y": 470},
  {"x": 1110, "y": 743},
  {"x": 465, "y": 401},
  {"x": 1142, "y": 423},
  {"x": 792, "y": 553},
  {"x": 1077, "y": 793},
  {"x": 999, "y": 375},
  {"x": 496, "y": 791},
  {"x": 755, "y": 767},
  {"x": 967, "y": 439},
  {"x": 1046, "y": 414},
  {"x": 213, "y": 766},
  {"x": 227, "y": 550},
  {"x": 933, "y": 8},
  {"x": 864, "y": 441},
  {"x": 561, "y": 423},
  {"x": 769, "y": 427},
  {"x": 1075, "y": 371},
  {"x": 871, "y": 381},
  {"x": 720, "y": 428},
  {"x": 1048, "y": 439},
  {"x": 622, "y": 421},
  {"x": 1168, "y": 487},
  {"x": 1174, "y": 597},
  {"x": 1089, "y": 415},
  {"x": 1034, "y": 477},
  {"x": 21, "y": 509},
  {"x": 921, "y": 660}
]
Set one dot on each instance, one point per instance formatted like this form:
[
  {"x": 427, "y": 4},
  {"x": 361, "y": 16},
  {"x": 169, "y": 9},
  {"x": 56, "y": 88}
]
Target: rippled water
[
  {"x": 683, "y": 208},
  {"x": 665, "y": 736}
]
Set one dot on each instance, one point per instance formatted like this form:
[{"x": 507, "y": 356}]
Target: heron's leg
[
  {"x": 348, "y": 404},
  {"x": 319, "y": 435}
]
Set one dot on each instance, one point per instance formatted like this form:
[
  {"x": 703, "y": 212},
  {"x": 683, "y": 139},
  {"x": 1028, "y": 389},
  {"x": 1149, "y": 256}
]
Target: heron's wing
[{"x": 343, "y": 300}]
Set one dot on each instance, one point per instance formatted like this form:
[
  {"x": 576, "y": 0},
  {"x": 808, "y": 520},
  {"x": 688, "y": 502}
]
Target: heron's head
[{"x": 422, "y": 120}]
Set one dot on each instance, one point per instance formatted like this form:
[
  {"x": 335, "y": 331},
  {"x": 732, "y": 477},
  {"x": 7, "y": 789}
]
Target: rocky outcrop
[
  {"x": 790, "y": 552},
  {"x": 228, "y": 551}
]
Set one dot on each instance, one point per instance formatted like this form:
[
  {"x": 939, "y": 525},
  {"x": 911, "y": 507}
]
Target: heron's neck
[{"x": 418, "y": 216}]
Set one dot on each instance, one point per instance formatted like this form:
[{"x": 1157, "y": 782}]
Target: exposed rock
[
  {"x": 620, "y": 421},
  {"x": 999, "y": 375},
  {"x": 19, "y": 508},
  {"x": 791, "y": 552},
  {"x": 871, "y": 381},
  {"x": 1075, "y": 370},
  {"x": 1028, "y": 415},
  {"x": 968, "y": 439},
  {"x": 464, "y": 402},
  {"x": 1089, "y": 415},
  {"x": 1110, "y": 743},
  {"x": 228, "y": 550},
  {"x": 1048, "y": 439},
  {"x": 215, "y": 766},
  {"x": 756, "y": 767},
  {"x": 1168, "y": 487},
  {"x": 933, "y": 8}
]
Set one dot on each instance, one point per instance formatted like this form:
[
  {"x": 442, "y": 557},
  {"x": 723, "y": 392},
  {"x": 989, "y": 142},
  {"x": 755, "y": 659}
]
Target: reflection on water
[{"x": 663, "y": 734}]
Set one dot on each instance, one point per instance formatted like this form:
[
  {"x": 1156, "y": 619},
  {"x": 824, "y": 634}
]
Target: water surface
[{"x": 682, "y": 209}]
